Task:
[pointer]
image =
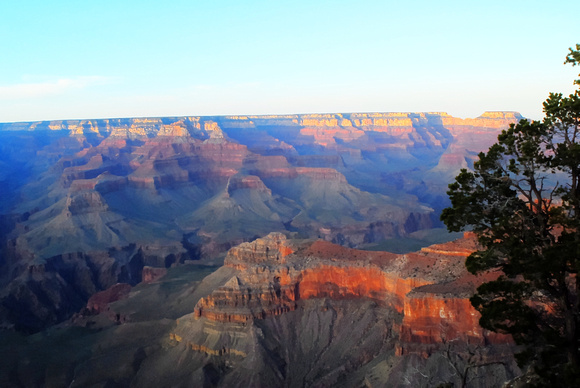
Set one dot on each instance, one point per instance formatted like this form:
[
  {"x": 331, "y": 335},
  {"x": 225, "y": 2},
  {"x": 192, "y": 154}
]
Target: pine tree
[{"x": 522, "y": 200}]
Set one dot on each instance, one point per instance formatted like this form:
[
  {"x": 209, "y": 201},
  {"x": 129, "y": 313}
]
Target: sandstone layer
[
  {"x": 419, "y": 303},
  {"x": 431, "y": 287}
]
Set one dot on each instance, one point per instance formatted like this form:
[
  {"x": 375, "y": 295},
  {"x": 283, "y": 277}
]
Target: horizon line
[{"x": 262, "y": 115}]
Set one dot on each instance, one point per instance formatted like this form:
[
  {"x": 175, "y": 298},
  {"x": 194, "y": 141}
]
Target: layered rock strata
[
  {"x": 394, "y": 122},
  {"x": 189, "y": 188},
  {"x": 96, "y": 164},
  {"x": 273, "y": 276}
]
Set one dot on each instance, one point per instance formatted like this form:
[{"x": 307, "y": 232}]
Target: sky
[{"x": 106, "y": 59}]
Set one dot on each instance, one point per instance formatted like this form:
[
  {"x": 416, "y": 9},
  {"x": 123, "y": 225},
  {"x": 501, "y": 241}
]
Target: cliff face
[
  {"x": 431, "y": 288},
  {"x": 281, "y": 296},
  {"x": 99, "y": 302},
  {"x": 127, "y": 165},
  {"x": 46, "y": 292}
]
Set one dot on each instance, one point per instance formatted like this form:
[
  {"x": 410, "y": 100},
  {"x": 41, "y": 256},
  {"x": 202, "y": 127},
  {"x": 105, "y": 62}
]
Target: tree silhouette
[{"x": 522, "y": 200}]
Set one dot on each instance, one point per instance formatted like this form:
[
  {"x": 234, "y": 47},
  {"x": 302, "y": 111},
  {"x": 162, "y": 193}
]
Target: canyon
[
  {"x": 90, "y": 202},
  {"x": 337, "y": 270},
  {"x": 279, "y": 312}
]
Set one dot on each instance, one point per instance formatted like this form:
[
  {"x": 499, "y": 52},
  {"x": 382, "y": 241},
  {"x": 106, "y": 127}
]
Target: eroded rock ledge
[{"x": 430, "y": 288}]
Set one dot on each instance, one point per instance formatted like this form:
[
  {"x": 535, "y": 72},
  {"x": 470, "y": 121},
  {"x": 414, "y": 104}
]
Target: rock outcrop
[
  {"x": 431, "y": 287},
  {"x": 152, "y": 274},
  {"x": 420, "y": 303},
  {"x": 100, "y": 301}
]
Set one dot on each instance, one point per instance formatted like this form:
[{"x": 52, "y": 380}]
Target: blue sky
[{"x": 99, "y": 59}]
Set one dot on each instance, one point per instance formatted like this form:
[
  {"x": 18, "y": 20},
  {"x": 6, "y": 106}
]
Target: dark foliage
[{"x": 522, "y": 200}]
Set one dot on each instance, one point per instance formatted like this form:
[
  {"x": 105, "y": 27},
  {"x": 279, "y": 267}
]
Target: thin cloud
[{"x": 49, "y": 88}]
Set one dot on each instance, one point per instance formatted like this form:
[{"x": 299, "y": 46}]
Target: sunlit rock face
[
  {"x": 275, "y": 297},
  {"x": 437, "y": 313},
  {"x": 431, "y": 288}
]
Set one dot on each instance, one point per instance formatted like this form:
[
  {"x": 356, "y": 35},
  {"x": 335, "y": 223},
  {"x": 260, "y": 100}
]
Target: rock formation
[
  {"x": 419, "y": 301},
  {"x": 430, "y": 287},
  {"x": 280, "y": 312},
  {"x": 100, "y": 301}
]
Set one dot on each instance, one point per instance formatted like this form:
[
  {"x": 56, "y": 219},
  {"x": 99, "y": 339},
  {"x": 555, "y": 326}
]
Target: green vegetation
[{"x": 523, "y": 202}]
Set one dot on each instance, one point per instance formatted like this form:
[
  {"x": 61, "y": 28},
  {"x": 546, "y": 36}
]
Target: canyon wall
[
  {"x": 431, "y": 288},
  {"x": 295, "y": 290},
  {"x": 279, "y": 312},
  {"x": 177, "y": 189}
]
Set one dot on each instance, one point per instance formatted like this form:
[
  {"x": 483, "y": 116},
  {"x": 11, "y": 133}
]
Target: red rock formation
[
  {"x": 274, "y": 248},
  {"x": 319, "y": 174},
  {"x": 326, "y": 135},
  {"x": 247, "y": 182},
  {"x": 431, "y": 288},
  {"x": 353, "y": 282},
  {"x": 235, "y": 302},
  {"x": 152, "y": 274},
  {"x": 100, "y": 301},
  {"x": 275, "y": 273},
  {"x": 437, "y": 314}
]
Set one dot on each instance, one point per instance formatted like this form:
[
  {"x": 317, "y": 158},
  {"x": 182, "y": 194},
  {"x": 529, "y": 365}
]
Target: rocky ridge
[
  {"x": 273, "y": 274},
  {"x": 280, "y": 312},
  {"x": 420, "y": 301}
]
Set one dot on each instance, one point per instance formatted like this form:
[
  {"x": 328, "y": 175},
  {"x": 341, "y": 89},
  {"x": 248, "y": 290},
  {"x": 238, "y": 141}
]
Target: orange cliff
[
  {"x": 431, "y": 288},
  {"x": 347, "y": 125},
  {"x": 440, "y": 313},
  {"x": 488, "y": 120}
]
